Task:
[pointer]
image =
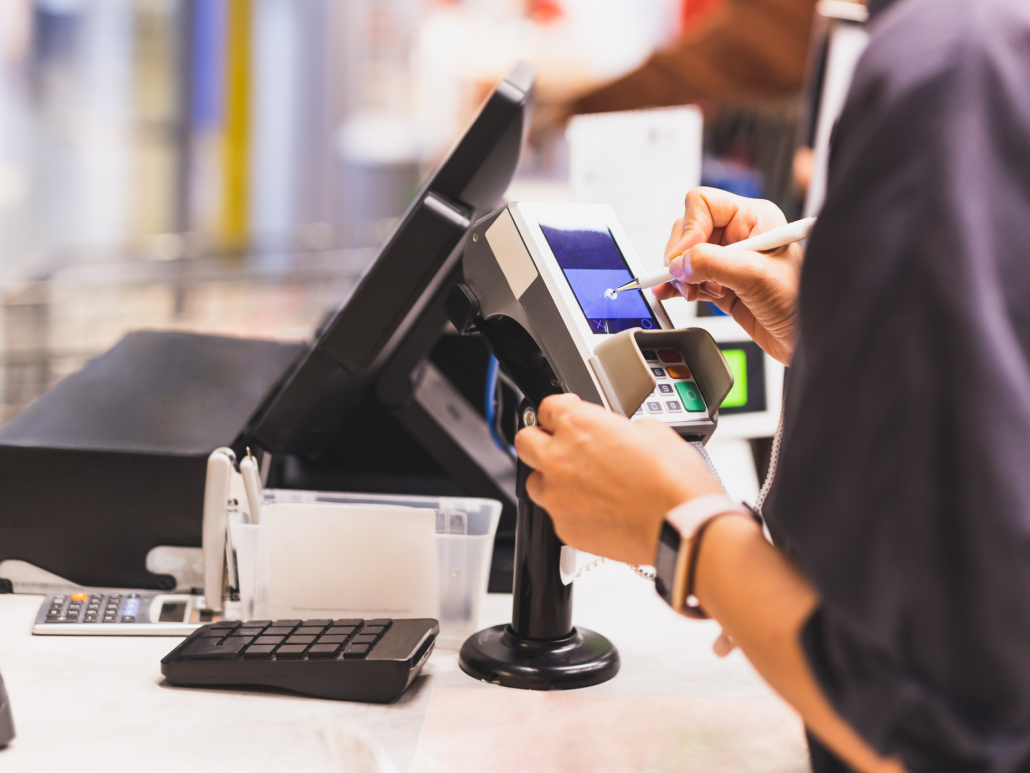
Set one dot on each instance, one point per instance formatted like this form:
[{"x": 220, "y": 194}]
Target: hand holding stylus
[{"x": 759, "y": 290}]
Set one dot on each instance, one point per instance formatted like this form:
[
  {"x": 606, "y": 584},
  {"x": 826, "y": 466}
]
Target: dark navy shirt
[{"x": 904, "y": 484}]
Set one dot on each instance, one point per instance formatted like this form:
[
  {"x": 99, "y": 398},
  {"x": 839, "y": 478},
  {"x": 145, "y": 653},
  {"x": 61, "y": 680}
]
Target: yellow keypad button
[{"x": 678, "y": 371}]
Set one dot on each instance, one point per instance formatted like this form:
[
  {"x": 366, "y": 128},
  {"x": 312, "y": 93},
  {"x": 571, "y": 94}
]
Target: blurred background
[{"x": 231, "y": 165}]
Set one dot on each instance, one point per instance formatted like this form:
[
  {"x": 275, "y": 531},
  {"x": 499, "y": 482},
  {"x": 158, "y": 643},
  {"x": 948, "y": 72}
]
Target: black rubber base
[{"x": 497, "y": 656}]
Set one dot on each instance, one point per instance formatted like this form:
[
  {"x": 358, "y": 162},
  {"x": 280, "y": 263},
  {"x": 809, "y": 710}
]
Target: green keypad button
[{"x": 690, "y": 396}]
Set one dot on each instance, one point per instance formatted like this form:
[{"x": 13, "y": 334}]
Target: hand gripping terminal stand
[{"x": 535, "y": 280}]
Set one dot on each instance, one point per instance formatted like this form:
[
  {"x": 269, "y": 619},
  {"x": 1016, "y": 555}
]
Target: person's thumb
[{"x": 739, "y": 270}]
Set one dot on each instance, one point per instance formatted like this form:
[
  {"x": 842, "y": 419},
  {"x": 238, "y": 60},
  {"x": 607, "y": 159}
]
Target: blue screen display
[{"x": 593, "y": 264}]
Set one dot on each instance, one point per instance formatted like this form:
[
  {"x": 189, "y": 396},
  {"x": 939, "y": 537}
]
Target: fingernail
[{"x": 676, "y": 267}]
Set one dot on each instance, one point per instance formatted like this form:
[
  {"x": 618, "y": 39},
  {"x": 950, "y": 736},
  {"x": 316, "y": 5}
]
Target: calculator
[{"x": 122, "y": 613}]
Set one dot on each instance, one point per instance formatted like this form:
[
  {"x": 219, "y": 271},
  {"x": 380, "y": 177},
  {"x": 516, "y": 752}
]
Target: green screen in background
[{"x": 737, "y": 360}]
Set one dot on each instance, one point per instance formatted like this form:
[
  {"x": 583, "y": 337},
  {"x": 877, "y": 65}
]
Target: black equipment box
[{"x": 111, "y": 462}]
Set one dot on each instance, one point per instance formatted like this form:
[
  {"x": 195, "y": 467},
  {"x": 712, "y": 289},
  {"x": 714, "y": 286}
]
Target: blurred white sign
[{"x": 641, "y": 163}]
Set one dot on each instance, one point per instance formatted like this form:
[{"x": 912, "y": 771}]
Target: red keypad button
[{"x": 670, "y": 355}]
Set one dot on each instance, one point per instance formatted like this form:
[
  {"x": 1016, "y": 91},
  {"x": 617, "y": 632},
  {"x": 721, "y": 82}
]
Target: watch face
[{"x": 665, "y": 561}]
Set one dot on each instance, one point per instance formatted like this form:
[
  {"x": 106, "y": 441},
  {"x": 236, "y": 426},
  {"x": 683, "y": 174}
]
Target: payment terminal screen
[{"x": 592, "y": 263}]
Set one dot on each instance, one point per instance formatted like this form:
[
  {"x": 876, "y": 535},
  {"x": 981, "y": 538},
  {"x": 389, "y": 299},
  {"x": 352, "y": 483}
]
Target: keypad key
[
  {"x": 213, "y": 633},
  {"x": 226, "y": 624},
  {"x": 128, "y": 619},
  {"x": 323, "y": 651},
  {"x": 670, "y": 355},
  {"x": 679, "y": 371},
  {"x": 365, "y": 639},
  {"x": 276, "y": 630},
  {"x": 658, "y": 372},
  {"x": 356, "y": 650},
  {"x": 287, "y": 623},
  {"x": 309, "y": 630},
  {"x": 341, "y": 630},
  {"x": 249, "y": 631},
  {"x": 291, "y": 652},
  {"x": 665, "y": 389},
  {"x": 257, "y": 624},
  {"x": 305, "y": 640},
  {"x": 327, "y": 639},
  {"x": 269, "y": 640},
  {"x": 653, "y": 406},
  {"x": 650, "y": 356},
  {"x": 319, "y": 623},
  {"x": 690, "y": 396},
  {"x": 200, "y": 650},
  {"x": 383, "y": 623},
  {"x": 373, "y": 630},
  {"x": 259, "y": 652},
  {"x": 355, "y": 622},
  {"x": 245, "y": 640},
  {"x": 673, "y": 405}
]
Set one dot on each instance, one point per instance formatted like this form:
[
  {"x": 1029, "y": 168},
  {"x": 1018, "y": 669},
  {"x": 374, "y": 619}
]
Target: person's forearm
[{"x": 763, "y": 602}]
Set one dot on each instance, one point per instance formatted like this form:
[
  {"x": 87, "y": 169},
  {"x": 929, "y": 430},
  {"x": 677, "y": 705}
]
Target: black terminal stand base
[
  {"x": 540, "y": 649},
  {"x": 498, "y": 655}
]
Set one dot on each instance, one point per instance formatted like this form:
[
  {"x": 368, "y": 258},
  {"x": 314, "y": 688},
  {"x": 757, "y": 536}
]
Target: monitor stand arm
[{"x": 540, "y": 649}]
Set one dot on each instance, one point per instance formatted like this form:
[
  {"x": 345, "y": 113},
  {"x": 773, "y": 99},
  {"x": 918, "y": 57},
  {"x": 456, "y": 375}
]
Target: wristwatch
[{"x": 678, "y": 547}]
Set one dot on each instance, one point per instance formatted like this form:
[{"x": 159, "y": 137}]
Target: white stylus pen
[
  {"x": 252, "y": 483},
  {"x": 770, "y": 240}
]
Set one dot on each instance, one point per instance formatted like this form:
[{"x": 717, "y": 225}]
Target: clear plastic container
[{"x": 465, "y": 529}]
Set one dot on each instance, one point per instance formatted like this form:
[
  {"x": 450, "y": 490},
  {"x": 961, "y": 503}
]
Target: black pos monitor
[{"x": 369, "y": 371}]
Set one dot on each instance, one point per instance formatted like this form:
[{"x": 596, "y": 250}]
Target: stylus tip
[{"x": 611, "y": 294}]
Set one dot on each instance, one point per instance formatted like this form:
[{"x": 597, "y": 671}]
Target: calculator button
[
  {"x": 78, "y": 597},
  {"x": 272, "y": 640},
  {"x": 259, "y": 652},
  {"x": 690, "y": 395},
  {"x": 665, "y": 389},
  {"x": 355, "y": 650},
  {"x": 318, "y": 623},
  {"x": 291, "y": 652},
  {"x": 653, "y": 406},
  {"x": 658, "y": 372},
  {"x": 650, "y": 356},
  {"x": 365, "y": 639},
  {"x": 226, "y": 624},
  {"x": 243, "y": 641},
  {"x": 258, "y": 624},
  {"x": 679, "y": 371},
  {"x": 213, "y": 633},
  {"x": 305, "y": 640},
  {"x": 278, "y": 631},
  {"x": 341, "y": 630},
  {"x": 286, "y": 623},
  {"x": 309, "y": 630},
  {"x": 324, "y": 651},
  {"x": 382, "y": 622},
  {"x": 249, "y": 632},
  {"x": 355, "y": 622},
  {"x": 673, "y": 405},
  {"x": 373, "y": 630},
  {"x": 670, "y": 355}
]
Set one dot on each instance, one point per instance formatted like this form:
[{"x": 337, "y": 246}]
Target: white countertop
[{"x": 100, "y": 703}]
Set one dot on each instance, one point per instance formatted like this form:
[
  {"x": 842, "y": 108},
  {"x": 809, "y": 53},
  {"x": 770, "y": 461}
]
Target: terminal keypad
[
  {"x": 676, "y": 395},
  {"x": 286, "y": 640}
]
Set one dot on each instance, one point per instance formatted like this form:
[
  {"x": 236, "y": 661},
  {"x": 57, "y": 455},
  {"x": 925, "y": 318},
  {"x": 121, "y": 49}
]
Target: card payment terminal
[{"x": 538, "y": 281}]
